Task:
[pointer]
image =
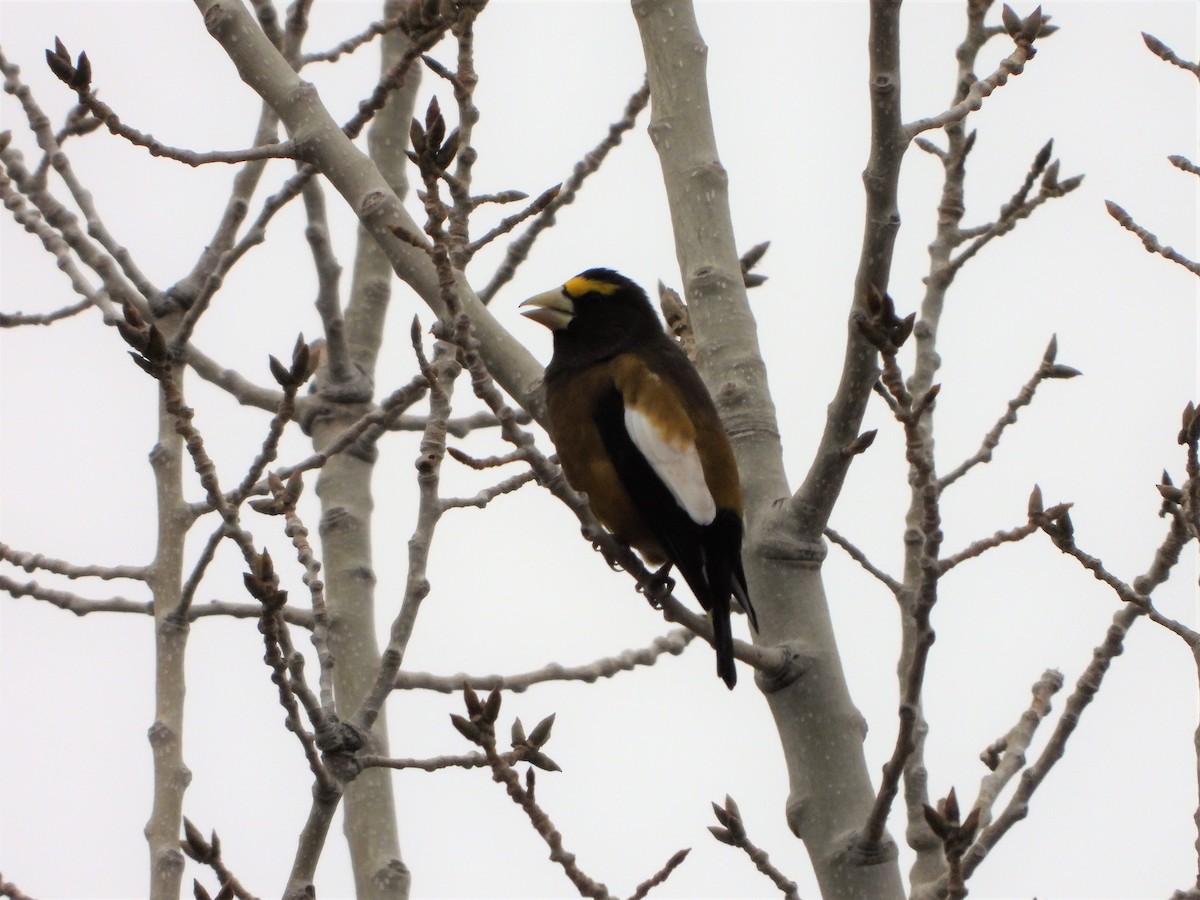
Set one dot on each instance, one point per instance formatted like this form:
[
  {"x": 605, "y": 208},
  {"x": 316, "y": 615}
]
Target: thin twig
[
  {"x": 435, "y": 763},
  {"x": 208, "y": 853},
  {"x": 732, "y": 831},
  {"x": 31, "y": 219},
  {"x": 672, "y": 643},
  {"x": 14, "y": 320},
  {"x": 1013, "y": 64},
  {"x": 481, "y": 730},
  {"x": 1085, "y": 690},
  {"x": 286, "y": 497},
  {"x": 1048, "y": 368},
  {"x": 488, "y": 494},
  {"x": 1086, "y": 687},
  {"x": 440, "y": 375},
  {"x": 114, "y": 255},
  {"x": 1165, "y": 53},
  {"x": 979, "y": 547},
  {"x": 82, "y": 606},
  {"x": 188, "y": 592},
  {"x": 31, "y": 561},
  {"x": 91, "y": 252},
  {"x": 1149, "y": 239},
  {"x": 1005, "y": 757},
  {"x": 349, "y": 45},
  {"x": 11, "y": 891},
  {"x": 918, "y": 599},
  {"x": 107, "y": 115},
  {"x": 644, "y": 889},
  {"x": 861, "y": 558},
  {"x": 519, "y": 249}
]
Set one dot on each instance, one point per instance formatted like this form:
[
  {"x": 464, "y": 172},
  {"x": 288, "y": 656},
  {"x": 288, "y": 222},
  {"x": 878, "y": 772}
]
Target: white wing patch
[{"x": 676, "y": 463}]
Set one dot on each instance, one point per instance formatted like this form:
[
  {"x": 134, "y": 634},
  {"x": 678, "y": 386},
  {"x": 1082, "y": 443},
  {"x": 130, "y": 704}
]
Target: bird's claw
[{"x": 656, "y": 585}]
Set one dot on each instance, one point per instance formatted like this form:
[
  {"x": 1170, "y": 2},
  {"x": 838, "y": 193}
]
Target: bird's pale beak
[{"x": 553, "y": 309}]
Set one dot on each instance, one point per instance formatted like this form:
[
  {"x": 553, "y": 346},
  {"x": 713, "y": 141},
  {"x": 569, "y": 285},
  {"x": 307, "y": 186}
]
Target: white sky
[{"x": 515, "y": 587}]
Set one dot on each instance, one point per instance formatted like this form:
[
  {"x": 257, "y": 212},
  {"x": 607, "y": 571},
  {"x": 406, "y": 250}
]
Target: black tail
[
  {"x": 723, "y": 640},
  {"x": 723, "y": 570}
]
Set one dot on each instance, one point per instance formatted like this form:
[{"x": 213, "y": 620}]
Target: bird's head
[{"x": 595, "y": 314}]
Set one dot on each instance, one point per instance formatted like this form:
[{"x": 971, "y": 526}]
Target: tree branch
[
  {"x": 1165, "y": 53},
  {"x": 30, "y": 561},
  {"x": 480, "y": 729},
  {"x": 1047, "y": 369},
  {"x": 1149, "y": 239},
  {"x": 673, "y": 643},
  {"x": 1005, "y": 757},
  {"x": 518, "y": 250},
  {"x": 861, "y": 558},
  {"x": 732, "y": 831}
]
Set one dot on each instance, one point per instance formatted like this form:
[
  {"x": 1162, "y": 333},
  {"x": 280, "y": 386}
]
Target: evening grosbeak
[{"x": 637, "y": 431}]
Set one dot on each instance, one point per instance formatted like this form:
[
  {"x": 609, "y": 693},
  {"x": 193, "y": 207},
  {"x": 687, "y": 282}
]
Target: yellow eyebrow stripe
[{"x": 578, "y": 286}]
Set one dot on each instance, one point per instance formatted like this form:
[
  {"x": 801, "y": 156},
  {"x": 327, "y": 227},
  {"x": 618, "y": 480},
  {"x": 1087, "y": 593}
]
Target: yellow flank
[{"x": 578, "y": 286}]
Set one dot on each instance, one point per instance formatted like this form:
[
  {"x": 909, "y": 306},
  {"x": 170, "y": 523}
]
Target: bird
[{"x": 637, "y": 431}]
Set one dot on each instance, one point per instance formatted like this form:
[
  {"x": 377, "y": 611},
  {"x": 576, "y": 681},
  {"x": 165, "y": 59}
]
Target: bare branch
[
  {"x": 918, "y": 599},
  {"x": 336, "y": 355},
  {"x": 1047, "y": 369},
  {"x": 242, "y": 389},
  {"x": 1005, "y": 757},
  {"x": 519, "y": 249},
  {"x": 30, "y": 218},
  {"x": 1184, "y": 164},
  {"x": 464, "y": 82},
  {"x": 433, "y": 763},
  {"x": 661, "y": 875},
  {"x": 312, "y": 840},
  {"x": 440, "y": 376},
  {"x": 423, "y": 36},
  {"x": 76, "y": 77},
  {"x": 1150, "y": 240},
  {"x": 1085, "y": 690},
  {"x": 979, "y": 547},
  {"x": 1165, "y": 53},
  {"x": 301, "y": 618},
  {"x": 103, "y": 255},
  {"x": 487, "y": 495},
  {"x": 372, "y": 31},
  {"x": 1013, "y": 64},
  {"x": 290, "y": 379},
  {"x": 11, "y": 891},
  {"x": 889, "y": 141},
  {"x": 188, "y": 592},
  {"x": 732, "y": 831},
  {"x": 104, "y": 264},
  {"x": 30, "y": 561},
  {"x": 356, "y": 437},
  {"x": 1012, "y": 213},
  {"x": 673, "y": 643},
  {"x": 13, "y": 320},
  {"x": 508, "y": 223},
  {"x": 861, "y": 558},
  {"x": 287, "y": 669},
  {"x": 73, "y": 602},
  {"x": 480, "y": 729},
  {"x": 1176, "y": 538},
  {"x": 208, "y": 853}
]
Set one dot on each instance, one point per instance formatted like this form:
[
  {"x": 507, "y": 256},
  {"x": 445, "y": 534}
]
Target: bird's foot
[{"x": 657, "y": 585}]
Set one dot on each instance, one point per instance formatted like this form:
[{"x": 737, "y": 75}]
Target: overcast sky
[{"x": 514, "y": 586}]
